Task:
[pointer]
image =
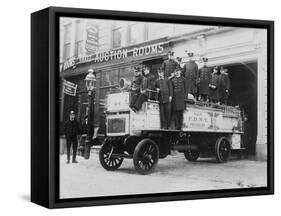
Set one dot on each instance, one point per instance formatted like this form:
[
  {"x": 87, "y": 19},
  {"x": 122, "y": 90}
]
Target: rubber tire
[
  {"x": 190, "y": 156},
  {"x": 217, "y": 149},
  {"x": 102, "y": 161},
  {"x": 137, "y": 150}
]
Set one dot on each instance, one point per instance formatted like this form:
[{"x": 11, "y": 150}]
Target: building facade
[{"x": 112, "y": 49}]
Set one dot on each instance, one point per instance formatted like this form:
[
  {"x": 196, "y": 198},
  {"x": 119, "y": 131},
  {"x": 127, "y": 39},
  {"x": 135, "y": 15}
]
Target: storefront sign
[
  {"x": 69, "y": 88},
  {"x": 92, "y": 40},
  {"x": 118, "y": 54}
]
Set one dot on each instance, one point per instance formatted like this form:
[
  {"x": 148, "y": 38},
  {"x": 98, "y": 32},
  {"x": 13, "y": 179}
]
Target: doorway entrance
[{"x": 243, "y": 92}]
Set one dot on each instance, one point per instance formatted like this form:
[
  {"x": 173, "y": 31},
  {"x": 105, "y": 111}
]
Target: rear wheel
[
  {"x": 192, "y": 155},
  {"x": 108, "y": 160},
  {"x": 146, "y": 156},
  {"x": 222, "y": 149}
]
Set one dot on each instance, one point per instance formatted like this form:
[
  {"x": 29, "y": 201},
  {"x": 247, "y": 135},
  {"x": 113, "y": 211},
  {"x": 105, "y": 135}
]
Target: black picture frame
[{"x": 44, "y": 106}]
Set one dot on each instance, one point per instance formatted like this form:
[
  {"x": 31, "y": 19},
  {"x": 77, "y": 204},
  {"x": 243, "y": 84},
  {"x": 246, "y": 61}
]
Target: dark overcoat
[
  {"x": 166, "y": 89},
  {"x": 136, "y": 84},
  {"x": 190, "y": 70},
  {"x": 179, "y": 93},
  {"x": 71, "y": 129},
  {"x": 148, "y": 83},
  {"x": 224, "y": 84},
  {"x": 204, "y": 80},
  {"x": 169, "y": 67},
  {"x": 215, "y": 81}
]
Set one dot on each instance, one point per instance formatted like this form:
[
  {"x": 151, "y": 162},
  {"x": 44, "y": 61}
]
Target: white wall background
[{"x": 15, "y": 107}]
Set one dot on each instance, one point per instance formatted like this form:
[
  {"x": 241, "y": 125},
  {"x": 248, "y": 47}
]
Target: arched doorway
[{"x": 243, "y": 92}]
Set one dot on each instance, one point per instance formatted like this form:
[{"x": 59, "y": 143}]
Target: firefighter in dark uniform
[
  {"x": 179, "y": 96},
  {"x": 214, "y": 84},
  {"x": 190, "y": 70},
  {"x": 165, "y": 89},
  {"x": 169, "y": 66},
  {"x": 224, "y": 86},
  {"x": 136, "y": 86},
  {"x": 147, "y": 90},
  {"x": 71, "y": 130},
  {"x": 204, "y": 81}
]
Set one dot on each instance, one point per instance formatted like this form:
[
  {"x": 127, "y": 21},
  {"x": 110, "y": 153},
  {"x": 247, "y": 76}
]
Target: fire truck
[{"x": 208, "y": 130}]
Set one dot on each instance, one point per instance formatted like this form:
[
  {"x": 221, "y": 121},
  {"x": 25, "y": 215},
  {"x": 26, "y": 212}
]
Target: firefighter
[
  {"x": 224, "y": 86},
  {"x": 71, "y": 129},
  {"x": 190, "y": 70},
  {"x": 169, "y": 65},
  {"x": 214, "y": 84},
  {"x": 165, "y": 89},
  {"x": 147, "y": 90},
  {"x": 136, "y": 85},
  {"x": 179, "y": 96},
  {"x": 204, "y": 81}
]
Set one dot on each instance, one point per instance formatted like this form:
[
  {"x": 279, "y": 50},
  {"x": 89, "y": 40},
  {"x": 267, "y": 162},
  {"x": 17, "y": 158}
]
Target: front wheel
[
  {"x": 146, "y": 156},
  {"x": 192, "y": 155},
  {"x": 108, "y": 160},
  {"x": 222, "y": 149}
]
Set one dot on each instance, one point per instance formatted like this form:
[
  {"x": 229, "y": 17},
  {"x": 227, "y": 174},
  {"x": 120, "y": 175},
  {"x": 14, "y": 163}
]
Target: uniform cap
[
  {"x": 179, "y": 59},
  {"x": 160, "y": 69},
  {"x": 190, "y": 54},
  {"x": 205, "y": 59},
  {"x": 170, "y": 53}
]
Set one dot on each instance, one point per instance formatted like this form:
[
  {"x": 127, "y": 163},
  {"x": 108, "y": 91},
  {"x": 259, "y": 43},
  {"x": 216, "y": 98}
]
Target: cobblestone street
[{"x": 174, "y": 173}]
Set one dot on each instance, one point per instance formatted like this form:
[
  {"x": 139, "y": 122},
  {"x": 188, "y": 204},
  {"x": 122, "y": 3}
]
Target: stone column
[{"x": 261, "y": 147}]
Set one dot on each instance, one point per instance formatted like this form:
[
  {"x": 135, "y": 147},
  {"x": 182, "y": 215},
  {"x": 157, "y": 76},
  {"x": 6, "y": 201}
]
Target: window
[
  {"x": 78, "y": 48},
  {"x": 127, "y": 73},
  {"x": 136, "y": 33},
  {"x": 116, "y": 37},
  {"x": 66, "y": 51},
  {"x": 67, "y": 33},
  {"x": 79, "y": 33},
  {"x": 67, "y": 41},
  {"x": 109, "y": 78}
]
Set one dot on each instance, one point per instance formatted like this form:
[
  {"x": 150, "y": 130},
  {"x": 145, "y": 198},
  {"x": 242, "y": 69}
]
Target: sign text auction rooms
[{"x": 118, "y": 54}]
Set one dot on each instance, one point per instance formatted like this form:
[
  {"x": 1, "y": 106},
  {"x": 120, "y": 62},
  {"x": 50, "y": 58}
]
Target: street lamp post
[{"x": 90, "y": 82}]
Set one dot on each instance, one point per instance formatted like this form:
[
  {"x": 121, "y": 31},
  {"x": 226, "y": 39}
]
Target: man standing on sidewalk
[{"x": 71, "y": 130}]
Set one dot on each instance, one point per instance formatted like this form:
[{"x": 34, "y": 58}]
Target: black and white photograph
[{"x": 149, "y": 107}]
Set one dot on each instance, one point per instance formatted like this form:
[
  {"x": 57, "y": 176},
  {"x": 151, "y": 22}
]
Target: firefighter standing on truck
[
  {"x": 214, "y": 85},
  {"x": 224, "y": 86},
  {"x": 204, "y": 81},
  {"x": 165, "y": 90},
  {"x": 190, "y": 70},
  {"x": 136, "y": 86},
  {"x": 179, "y": 96},
  {"x": 147, "y": 90},
  {"x": 169, "y": 66}
]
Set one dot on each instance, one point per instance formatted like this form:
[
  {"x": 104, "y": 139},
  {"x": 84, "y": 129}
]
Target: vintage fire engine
[{"x": 208, "y": 130}]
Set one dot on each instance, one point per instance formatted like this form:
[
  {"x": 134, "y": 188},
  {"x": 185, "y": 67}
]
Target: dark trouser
[
  {"x": 178, "y": 119},
  {"x": 139, "y": 101},
  {"x": 73, "y": 141},
  {"x": 165, "y": 114},
  {"x": 204, "y": 97},
  {"x": 223, "y": 100},
  {"x": 134, "y": 97}
]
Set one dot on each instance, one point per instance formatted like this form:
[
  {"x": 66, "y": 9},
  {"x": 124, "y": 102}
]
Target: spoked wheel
[
  {"x": 146, "y": 156},
  {"x": 222, "y": 149},
  {"x": 107, "y": 159},
  {"x": 192, "y": 155}
]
